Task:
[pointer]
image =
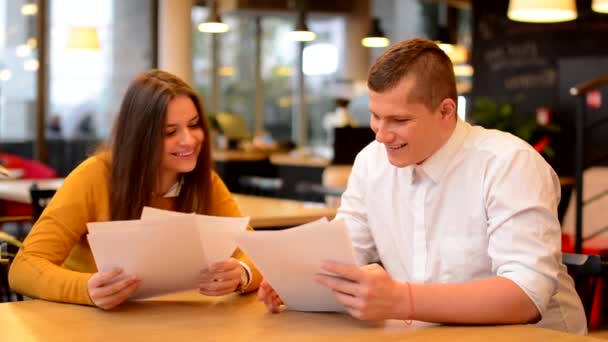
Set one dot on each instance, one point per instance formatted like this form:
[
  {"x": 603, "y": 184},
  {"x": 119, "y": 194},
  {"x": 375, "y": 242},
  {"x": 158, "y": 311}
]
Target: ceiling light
[
  {"x": 301, "y": 33},
  {"x": 375, "y": 38},
  {"x": 214, "y": 23},
  {"x": 542, "y": 11},
  {"x": 600, "y": 6}
]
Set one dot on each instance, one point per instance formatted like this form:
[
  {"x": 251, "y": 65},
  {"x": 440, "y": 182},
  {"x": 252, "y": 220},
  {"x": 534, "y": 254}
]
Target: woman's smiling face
[{"x": 183, "y": 138}]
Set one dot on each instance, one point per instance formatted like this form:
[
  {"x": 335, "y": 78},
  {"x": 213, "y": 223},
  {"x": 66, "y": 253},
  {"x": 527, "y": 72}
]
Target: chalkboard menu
[{"x": 534, "y": 65}]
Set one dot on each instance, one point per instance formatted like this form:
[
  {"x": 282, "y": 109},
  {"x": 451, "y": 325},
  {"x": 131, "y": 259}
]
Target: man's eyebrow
[{"x": 394, "y": 116}]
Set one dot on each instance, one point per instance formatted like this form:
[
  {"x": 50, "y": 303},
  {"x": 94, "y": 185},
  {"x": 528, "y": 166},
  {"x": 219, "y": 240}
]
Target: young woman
[{"x": 158, "y": 157}]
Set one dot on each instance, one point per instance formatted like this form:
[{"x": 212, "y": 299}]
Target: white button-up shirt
[{"x": 483, "y": 205}]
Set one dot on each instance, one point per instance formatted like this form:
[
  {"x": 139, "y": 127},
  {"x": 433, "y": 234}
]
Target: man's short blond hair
[{"x": 425, "y": 61}]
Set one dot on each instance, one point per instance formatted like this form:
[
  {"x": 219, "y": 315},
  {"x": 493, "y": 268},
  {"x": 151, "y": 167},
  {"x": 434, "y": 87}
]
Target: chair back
[
  {"x": 9, "y": 246},
  {"x": 584, "y": 265},
  {"x": 40, "y": 199},
  {"x": 586, "y": 270}
]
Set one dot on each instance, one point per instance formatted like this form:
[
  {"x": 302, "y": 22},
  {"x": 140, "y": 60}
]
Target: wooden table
[
  {"x": 236, "y": 155},
  {"x": 298, "y": 160},
  {"x": 193, "y": 317},
  {"x": 298, "y": 172},
  {"x": 19, "y": 190},
  {"x": 265, "y": 212},
  {"x": 234, "y": 165}
]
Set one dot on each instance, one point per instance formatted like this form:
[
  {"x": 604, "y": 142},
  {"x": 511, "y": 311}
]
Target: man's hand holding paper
[
  {"x": 290, "y": 259},
  {"x": 367, "y": 292}
]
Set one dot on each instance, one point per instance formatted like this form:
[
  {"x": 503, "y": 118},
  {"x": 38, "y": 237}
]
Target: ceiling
[
  {"x": 455, "y": 3},
  {"x": 321, "y": 6}
]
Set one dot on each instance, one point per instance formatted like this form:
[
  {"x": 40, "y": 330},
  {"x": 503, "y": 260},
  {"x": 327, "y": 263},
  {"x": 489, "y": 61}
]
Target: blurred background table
[{"x": 265, "y": 212}]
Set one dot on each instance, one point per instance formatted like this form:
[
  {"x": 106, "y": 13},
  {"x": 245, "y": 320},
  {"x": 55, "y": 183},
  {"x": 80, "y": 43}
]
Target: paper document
[
  {"x": 289, "y": 259},
  {"x": 167, "y": 250},
  {"x": 217, "y": 234}
]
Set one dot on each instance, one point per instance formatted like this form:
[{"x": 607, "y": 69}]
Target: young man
[{"x": 453, "y": 223}]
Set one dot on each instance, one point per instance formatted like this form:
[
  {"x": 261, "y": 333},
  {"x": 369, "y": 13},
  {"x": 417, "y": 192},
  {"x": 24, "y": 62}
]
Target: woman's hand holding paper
[
  {"x": 221, "y": 278},
  {"x": 107, "y": 291}
]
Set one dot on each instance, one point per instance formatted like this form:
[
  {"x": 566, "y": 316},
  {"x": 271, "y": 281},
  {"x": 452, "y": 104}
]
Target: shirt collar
[
  {"x": 435, "y": 166},
  {"x": 174, "y": 189}
]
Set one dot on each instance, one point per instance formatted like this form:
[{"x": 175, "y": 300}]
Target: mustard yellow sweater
[{"x": 56, "y": 262}]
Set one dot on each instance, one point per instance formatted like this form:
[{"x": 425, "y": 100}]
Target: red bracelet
[{"x": 411, "y": 316}]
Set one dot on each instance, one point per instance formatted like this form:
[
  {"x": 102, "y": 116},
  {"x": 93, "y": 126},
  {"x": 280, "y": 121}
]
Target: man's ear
[{"x": 447, "y": 108}]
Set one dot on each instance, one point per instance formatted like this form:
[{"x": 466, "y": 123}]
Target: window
[
  {"x": 18, "y": 66},
  {"x": 88, "y": 77},
  {"x": 279, "y": 58},
  {"x": 236, "y": 70}
]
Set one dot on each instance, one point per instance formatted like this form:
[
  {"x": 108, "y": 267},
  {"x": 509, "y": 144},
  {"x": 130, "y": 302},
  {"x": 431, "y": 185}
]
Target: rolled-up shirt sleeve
[{"x": 521, "y": 194}]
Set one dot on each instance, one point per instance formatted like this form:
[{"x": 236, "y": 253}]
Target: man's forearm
[{"x": 495, "y": 300}]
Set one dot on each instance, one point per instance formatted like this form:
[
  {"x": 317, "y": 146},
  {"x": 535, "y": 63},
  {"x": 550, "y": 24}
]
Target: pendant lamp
[{"x": 542, "y": 11}]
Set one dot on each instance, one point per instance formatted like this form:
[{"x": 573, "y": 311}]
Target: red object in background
[
  {"x": 540, "y": 145},
  {"x": 543, "y": 116},
  {"x": 594, "y": 99},
  {"x": 32, "y": 169}
]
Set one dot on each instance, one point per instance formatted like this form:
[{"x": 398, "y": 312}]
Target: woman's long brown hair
[{"x": 137, "y": 147}]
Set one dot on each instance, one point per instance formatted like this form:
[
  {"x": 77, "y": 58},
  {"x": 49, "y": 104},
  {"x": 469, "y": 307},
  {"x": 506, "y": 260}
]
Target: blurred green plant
[{"x": 501, "y": 115}]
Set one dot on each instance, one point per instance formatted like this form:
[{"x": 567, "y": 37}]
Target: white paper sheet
[
  {"x": 167, "y": 250},
  {"x": 167, "y": 255},
  {"x": 289, "y": 259},
  {"x": 218, "y": 234}
]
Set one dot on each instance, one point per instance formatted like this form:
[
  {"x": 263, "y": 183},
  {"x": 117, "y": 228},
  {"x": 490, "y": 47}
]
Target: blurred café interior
[{"x": 284, "y": 88}]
